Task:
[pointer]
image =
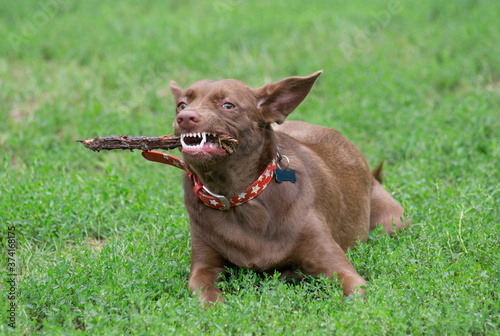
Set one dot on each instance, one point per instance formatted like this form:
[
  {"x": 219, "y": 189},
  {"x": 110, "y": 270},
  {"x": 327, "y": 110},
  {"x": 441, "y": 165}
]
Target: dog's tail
[{"x": 377, "y": 172}]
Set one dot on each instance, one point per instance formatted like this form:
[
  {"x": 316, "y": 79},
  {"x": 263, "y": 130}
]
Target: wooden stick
[{"x": 147, "y": 143}]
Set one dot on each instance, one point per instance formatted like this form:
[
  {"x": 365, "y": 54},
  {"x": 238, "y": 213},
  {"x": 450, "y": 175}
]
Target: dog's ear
[
  {"x": 276, "y": 101},
  {"x": 177, "y": 92}
]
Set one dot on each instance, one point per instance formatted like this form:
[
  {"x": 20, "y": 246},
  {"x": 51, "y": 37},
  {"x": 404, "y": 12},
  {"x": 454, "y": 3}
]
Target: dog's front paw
[
  {"x": 209, "y": 296},
  {"x": 353, "y": 284}
]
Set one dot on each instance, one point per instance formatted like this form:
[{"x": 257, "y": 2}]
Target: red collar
[{"x": 209, "y": 198}]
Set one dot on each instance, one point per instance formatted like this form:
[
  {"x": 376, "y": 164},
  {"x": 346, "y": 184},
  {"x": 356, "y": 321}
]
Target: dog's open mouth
[{"x": 206, "y": 142}]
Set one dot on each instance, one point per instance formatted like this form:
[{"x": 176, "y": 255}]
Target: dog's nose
[{"x": 187, "y": 120}]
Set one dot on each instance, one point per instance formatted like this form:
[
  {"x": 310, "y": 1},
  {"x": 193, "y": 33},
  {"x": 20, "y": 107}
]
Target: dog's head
[{"x": 218, "y": 118}]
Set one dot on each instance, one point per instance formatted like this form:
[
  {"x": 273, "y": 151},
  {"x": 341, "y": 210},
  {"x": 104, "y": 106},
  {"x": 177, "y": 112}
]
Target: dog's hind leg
[{"x": 385, "y": 210}]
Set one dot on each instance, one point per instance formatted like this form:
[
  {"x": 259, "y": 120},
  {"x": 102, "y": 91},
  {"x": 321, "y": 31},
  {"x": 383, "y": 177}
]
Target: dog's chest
[{"x": 247, "y": 237}]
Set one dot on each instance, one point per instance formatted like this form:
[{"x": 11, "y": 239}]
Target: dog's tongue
[{"x": 209, "y": 148}]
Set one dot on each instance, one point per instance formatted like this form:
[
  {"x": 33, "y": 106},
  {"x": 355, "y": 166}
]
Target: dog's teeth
[
  {"x": 182, "y": 141},
  {"x": 203, "y": 140},
  {"x": 199, "y": 135}
]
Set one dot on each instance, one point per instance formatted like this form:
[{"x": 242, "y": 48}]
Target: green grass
[{"x": 102, "y": 238}]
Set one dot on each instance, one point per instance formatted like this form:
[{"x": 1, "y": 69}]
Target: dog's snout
[{"x": 188, "y": 120}]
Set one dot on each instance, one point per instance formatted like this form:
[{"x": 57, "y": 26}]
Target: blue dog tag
[{"x": 285, "y": 175}]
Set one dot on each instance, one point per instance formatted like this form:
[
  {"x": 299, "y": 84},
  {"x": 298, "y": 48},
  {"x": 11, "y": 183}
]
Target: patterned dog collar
[{"x": 209, "y": 198}]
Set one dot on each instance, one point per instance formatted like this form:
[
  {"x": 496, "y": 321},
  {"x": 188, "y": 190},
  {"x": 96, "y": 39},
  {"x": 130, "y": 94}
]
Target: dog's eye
[
  {"x": 181, "y": 106},
  {"x": 228, "y": 106}
]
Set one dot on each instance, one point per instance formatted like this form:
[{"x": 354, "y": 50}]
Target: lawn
[{"x": 99, "y": 242}]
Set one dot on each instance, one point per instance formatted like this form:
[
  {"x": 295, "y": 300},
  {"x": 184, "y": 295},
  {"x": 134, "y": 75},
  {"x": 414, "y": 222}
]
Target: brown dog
[{"x": 307, "y": 224}]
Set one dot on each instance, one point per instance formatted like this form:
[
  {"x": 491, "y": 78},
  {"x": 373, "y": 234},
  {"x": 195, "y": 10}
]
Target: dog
[{"x": 288, "y": 195}]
